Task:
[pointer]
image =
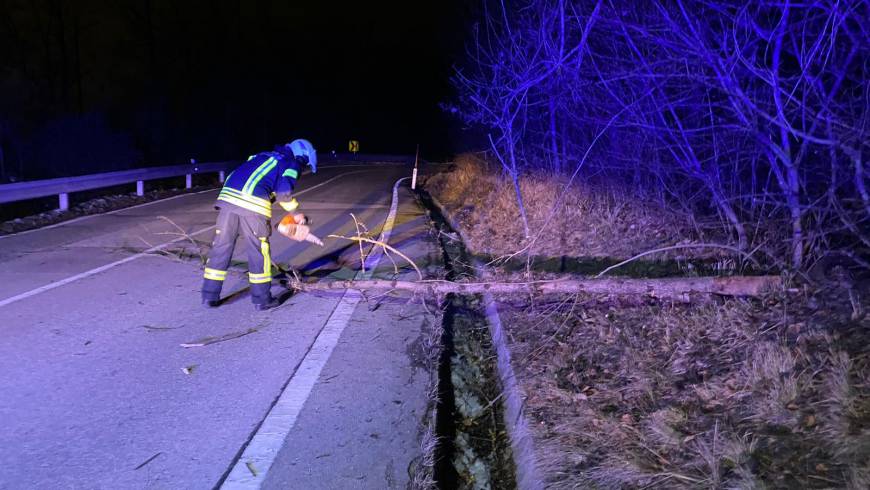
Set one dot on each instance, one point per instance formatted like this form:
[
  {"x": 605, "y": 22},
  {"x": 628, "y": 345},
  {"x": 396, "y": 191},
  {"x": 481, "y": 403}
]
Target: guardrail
[{"x": 63, "y": 186}]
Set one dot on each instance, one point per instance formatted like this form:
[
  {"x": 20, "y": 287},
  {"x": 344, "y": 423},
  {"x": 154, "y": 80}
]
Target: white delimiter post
[
  {"x": 188, "y": 181},
  {"x": 414, "y": 175},
  {"x": 221, "y": 177},
  {"x": 64, "y": 201},
  {"x": 140, "y": 187}
]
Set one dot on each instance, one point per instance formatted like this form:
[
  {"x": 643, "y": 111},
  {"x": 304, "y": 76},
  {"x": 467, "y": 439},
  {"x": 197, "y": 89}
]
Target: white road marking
[
  {"x": 328, "y": 181},
  {"x": 262, "y": 449},
  {"x": 82, "y": 218},
  {"x": 63, "y": 282},
  {"x": 103, "y": 268}
]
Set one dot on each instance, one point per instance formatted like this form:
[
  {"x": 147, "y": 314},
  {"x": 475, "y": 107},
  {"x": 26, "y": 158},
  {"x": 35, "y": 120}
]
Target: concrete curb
[{"x": 516, "y": 423}]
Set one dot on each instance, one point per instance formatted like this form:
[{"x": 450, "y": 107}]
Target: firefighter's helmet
[{"x": 305, "y": 150}]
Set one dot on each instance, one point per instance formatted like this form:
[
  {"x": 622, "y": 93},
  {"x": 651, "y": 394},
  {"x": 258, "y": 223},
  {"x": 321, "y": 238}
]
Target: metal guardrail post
[{"x": 62, "y": 187}]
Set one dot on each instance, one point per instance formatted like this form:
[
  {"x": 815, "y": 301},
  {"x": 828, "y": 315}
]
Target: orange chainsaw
[{"x": 295, "y": 227}]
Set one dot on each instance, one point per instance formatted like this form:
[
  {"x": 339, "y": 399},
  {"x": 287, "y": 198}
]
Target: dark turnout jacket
[{"x": 265, "y": 176}]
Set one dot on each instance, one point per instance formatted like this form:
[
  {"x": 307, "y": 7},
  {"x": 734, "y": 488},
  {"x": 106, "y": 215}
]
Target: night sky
[{"x": 156, "y": 81}]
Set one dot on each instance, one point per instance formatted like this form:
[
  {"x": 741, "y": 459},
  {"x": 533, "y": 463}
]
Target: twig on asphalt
[
  {"x": 362, "y": 255},
  {"x": 213, "y": 340},
  {"x": 152, "y": 458},
  {"x": 385, "y": 246},
  {"x": 153, "y": 328},
  {"x": 186, "y": 235}
]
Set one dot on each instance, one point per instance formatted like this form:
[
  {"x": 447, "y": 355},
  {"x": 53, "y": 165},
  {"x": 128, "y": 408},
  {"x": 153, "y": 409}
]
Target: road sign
[{"x": 353, "y": 146}]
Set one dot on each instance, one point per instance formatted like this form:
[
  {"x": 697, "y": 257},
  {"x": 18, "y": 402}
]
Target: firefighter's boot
[
  {"x": 272, "y": 303},
  {"x": 211, "y": 303}
]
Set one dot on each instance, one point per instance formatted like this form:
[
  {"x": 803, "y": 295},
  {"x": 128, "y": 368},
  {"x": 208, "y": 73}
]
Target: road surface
[{"x": 96, "y": 391}]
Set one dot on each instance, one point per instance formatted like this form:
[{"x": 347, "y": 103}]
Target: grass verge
[
  {"x": 733, "y": 394},
  {"x": 763, "y": 393}
]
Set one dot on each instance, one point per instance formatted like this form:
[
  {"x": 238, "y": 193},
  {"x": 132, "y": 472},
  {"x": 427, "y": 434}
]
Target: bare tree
[{"x": 752, "y": 113}]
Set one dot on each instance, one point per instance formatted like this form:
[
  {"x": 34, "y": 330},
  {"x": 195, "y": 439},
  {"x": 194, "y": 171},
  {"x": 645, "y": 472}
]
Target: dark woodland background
[{"x": 95, "y": 85}]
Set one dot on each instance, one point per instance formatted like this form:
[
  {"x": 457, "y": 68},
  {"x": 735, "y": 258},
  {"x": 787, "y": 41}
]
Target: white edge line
[
  {"x": 328, "y": 181},
  {"x": 102, "y": 268},
  {"x": 262, "y": 449},
  {"x": 82, "y": 218},
  {"x": 62, "y": 282}
]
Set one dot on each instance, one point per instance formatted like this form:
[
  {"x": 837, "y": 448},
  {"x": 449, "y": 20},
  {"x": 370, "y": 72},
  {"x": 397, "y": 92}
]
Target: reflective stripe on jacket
[{"x": 252, "y": 186}]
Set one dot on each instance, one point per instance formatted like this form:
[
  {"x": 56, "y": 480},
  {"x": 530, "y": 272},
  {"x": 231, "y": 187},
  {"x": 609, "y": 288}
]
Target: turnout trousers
[{"x": 255, "y": 231}]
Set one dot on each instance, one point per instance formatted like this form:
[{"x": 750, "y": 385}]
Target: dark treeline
[
  {"x": 750, "y": 116},
  {"x": 93, "y": 85}
]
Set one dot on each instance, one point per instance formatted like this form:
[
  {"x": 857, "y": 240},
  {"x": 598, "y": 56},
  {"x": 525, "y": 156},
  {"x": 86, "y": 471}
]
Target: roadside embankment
[
  {"x": 588, "y": 221},
  {"x": 639, "y": 392}
]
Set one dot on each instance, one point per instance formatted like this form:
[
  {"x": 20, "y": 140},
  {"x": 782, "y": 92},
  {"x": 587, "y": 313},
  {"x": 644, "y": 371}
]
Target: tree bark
[{"x": 669, "y": 288}]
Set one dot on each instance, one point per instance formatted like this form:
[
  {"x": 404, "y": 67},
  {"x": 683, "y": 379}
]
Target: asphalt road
[{"x": 96, "y": 391}]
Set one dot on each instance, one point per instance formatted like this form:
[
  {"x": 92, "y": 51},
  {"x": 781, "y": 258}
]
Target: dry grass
[
  {"x": 422, "y": 469},
  {"x": 771, "y": 393},
  {"x": 733, "y": 395},
  {"x": 592, "y": 221}
]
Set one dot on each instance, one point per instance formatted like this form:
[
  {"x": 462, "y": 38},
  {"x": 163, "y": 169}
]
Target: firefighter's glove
[{"x": 290, "y": 205}]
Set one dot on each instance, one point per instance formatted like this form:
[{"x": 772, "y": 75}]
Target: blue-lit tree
[
  {"x": 755, "y": 112},
  {"x": 517, "y": 58}
]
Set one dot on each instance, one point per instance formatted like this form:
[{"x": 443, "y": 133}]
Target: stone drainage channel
[{"x": 474, "y": 449}]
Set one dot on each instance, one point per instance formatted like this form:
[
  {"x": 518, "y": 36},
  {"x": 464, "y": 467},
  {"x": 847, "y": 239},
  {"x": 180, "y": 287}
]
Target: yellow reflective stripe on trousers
[
  {"x": 259, "y": 278},
  {"x": 267, "y": 259},
  {"x": 214, "y": 274},
  {"x": 266, "y": 275}
]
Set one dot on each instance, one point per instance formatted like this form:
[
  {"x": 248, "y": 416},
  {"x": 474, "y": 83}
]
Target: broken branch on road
[
  {"x": 360, "y": 239},
  {"x": 665, "y": 288}
]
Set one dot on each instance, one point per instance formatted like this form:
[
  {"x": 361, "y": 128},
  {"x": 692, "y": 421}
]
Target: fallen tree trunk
[{"x": 667, "y": 288}]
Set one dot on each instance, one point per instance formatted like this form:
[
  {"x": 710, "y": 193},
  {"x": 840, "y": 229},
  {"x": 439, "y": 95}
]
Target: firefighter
[{"x": 245, "y": 208}]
